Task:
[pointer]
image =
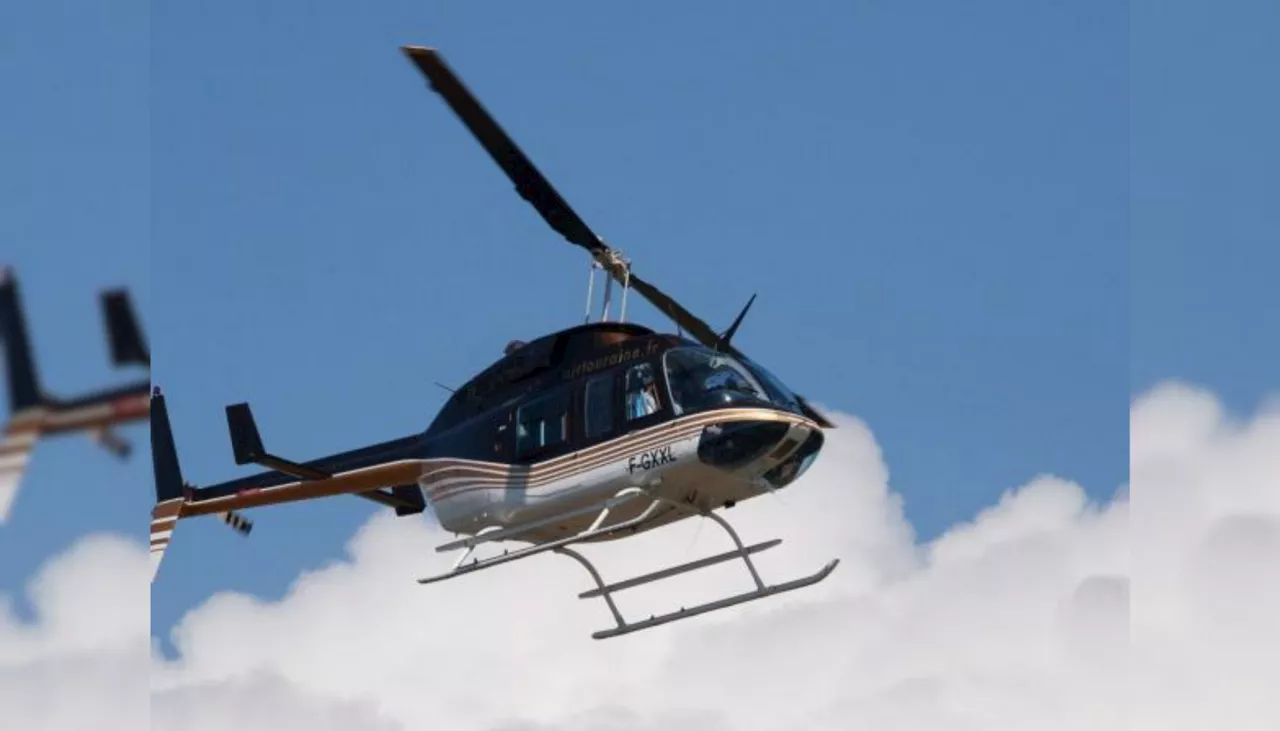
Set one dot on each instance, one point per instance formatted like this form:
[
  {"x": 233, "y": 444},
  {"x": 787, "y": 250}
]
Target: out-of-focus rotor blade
[{"x": 529, "y": 182}]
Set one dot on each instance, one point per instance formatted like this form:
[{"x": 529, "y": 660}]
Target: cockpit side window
[
  {"x": 777, "y": 389},
  {"x": 641, "y": 391}
]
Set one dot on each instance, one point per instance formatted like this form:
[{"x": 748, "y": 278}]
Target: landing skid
[{"x": 606, "y": 591}]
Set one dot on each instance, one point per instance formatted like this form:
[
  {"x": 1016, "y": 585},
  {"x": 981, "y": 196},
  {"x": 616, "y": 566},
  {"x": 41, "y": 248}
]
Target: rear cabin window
[
  {"x": 597, "y": 406},
  {"x": 542, "y": 423}
]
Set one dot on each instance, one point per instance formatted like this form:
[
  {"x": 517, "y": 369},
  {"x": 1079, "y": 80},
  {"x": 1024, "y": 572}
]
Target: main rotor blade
[
  {"x": 529, "y": 182},
  {"x": 534, "y": 187},
  {"x": 537, "y": 190},
  {"x": 690, "y": 323}
]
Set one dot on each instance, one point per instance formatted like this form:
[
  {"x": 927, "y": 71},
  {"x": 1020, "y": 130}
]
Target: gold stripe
[
  {"x": 595, "y": 457},
  {"x": 569, "y": 471},
  {"x": 405, "y": 471}
]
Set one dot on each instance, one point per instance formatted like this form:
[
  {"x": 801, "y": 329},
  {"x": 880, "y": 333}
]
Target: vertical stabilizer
[
  {"x": 169, "y": 484},
  {"x": 24, "y": 388},
  {"x": 172, "y": 490}
]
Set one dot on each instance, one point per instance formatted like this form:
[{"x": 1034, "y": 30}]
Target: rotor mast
[{"x": 615, "y": 266}]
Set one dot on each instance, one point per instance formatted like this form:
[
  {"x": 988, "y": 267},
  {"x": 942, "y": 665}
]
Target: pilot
[{"x": 644, "y": 401}]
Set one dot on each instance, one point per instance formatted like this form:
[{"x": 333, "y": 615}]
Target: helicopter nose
[
  {"x": 797, "y": 462},
  {"x": 738, "y": 444}
]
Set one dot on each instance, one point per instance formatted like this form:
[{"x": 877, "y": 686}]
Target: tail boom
[
  {"x": 364, "y": 472},
  {"x": 98, "y": 412}
]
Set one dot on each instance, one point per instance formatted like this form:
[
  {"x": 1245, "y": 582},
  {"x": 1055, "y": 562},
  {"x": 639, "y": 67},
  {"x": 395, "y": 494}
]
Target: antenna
[{"x": 723, "y": 340}]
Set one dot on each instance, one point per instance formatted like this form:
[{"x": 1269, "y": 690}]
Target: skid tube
[{"x": 606, "y": 591}]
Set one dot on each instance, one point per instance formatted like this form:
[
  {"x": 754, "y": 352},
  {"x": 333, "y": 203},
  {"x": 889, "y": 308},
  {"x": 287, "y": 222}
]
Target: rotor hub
[{"x": 612, "y": 261}]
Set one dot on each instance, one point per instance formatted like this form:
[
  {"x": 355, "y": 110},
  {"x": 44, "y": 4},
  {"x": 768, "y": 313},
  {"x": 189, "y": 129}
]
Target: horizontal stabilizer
[{"x": 246, "y": 444}]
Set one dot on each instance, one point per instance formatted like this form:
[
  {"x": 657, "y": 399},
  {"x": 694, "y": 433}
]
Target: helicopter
[
  {"x": 34, "y": 414},
  {"x": 594, "y": 433}
]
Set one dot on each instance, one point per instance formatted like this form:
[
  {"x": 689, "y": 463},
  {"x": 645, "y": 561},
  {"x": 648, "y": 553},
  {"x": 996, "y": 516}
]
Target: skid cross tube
[
  {"x": 761, "y": 591},
  {"x": 605, "y": 591},
  {"x": 683, "y": 613},
  {"x": 597, "y": 529},
  {"x": 701, "y": 563},
  {"x": 488, "y": 534}
]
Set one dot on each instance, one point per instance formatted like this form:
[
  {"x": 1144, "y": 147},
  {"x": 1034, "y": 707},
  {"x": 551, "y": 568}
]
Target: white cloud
[
  {"x": 83, "y": 663},
  {"x": 1023, "y": 618},
  {"x": 1206, "y": 562}
]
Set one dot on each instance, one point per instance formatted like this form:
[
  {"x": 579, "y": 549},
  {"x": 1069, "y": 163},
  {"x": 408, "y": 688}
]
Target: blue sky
[
  {"x": 74, "y": 219},
  {"x": 1206, "y": 168},
  {"x": 936, "y": 205}
]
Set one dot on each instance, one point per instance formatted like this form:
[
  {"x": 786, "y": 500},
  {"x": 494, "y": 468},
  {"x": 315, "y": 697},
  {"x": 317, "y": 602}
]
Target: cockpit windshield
[
  {"x": 778, "y": 390},
  {"x": 700, "y": 378}
]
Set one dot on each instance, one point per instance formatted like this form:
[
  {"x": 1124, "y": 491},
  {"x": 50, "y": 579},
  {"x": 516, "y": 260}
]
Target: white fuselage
[{"x": 468, "y": 496}]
